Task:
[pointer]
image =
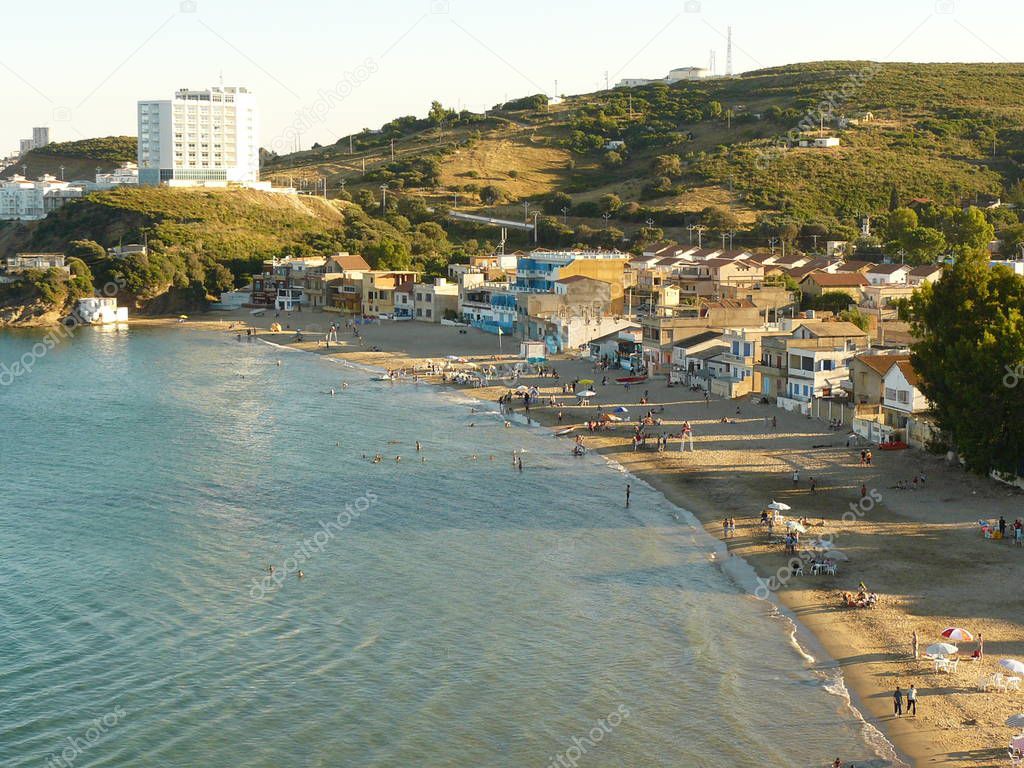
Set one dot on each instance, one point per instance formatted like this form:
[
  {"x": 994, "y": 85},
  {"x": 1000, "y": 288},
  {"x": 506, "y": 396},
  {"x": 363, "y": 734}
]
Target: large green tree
[{"x": 970, "y": 358}]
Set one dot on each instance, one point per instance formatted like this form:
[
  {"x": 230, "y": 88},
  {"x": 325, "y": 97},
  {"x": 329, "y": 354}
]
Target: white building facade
[
  {"x": 100, "y": 310},
  {"x": 22, "y": 199},
  {"x": 204, "y": 137}
]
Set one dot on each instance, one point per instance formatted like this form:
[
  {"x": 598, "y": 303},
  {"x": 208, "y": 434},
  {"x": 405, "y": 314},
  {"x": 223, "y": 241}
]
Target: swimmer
[
  {"x": 344, "y": 385},
  {"x": 301, "y": 575},
  {"x": 473, "y": 457},
  {"x": 332, "y": 392},
  {"x": 508, "y": 424},
  {"x": 472, "y": 424},
  {"x": 279, "y": 363},
  {"x": 491, "y": 457},
  {"x": 338, "y": 445},
  {"x": 417, "y": 445},
  {"x": 270, "y": 569},
  {"x": 423, "y": 459},
  {"x": 398, "y": 459}
]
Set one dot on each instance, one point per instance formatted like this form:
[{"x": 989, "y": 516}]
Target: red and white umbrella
[{"x": 958, "y": 634}]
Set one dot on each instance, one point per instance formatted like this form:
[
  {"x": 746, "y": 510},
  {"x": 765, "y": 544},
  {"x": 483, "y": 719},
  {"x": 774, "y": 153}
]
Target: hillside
[
  {"x": 947, "y": 132},
  {"x": 80, "y": 159}
]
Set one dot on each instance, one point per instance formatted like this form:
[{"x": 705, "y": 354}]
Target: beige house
[
  {"x": 432, "y": 300},
  {"x": 867, "y": 372},
  {"x": 850, "y": 283}
]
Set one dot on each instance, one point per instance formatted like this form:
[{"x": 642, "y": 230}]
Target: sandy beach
[{"x": 921, "y": 550}]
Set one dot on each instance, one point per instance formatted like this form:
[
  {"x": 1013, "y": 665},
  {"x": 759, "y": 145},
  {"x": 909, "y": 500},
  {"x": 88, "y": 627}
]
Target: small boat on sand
[
  {"x": 631, "y": 379},
  {"x": 563, "y": 431}
]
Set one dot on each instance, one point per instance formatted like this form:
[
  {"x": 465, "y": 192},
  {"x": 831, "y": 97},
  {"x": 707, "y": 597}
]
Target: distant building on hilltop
[
  {"x": 677, "y": 75},
  {"x": 199, "y": 138},
  {"x": 126, "y": 173},
  {"x": 40, "y": 138},
  {"x": 22, "y": 199}
]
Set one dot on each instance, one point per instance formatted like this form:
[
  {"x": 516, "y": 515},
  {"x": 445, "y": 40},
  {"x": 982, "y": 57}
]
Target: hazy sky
[{"x": 80, "y": 67}]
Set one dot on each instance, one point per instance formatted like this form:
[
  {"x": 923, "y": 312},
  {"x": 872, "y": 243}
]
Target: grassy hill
[
  {"x": 947, "y": 132},
  {"x": 80, "y": 159}
]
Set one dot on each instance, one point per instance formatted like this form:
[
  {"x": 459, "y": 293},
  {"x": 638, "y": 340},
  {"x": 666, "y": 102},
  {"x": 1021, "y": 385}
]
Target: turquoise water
[{"x": 455, "y": 613}]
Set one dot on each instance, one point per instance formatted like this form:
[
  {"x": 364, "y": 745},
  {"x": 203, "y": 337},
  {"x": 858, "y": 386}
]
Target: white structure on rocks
[{"x": 101, "y": 310}]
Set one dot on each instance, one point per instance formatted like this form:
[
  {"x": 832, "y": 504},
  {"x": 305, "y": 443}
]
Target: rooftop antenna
[
  {"x": 712, "y": 64},
  {"x": 606, "y": 79},
  {"x": 728, "y": 53}
]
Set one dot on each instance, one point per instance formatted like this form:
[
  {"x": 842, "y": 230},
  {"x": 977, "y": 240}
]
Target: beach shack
[{"x": 533, "y": 351}]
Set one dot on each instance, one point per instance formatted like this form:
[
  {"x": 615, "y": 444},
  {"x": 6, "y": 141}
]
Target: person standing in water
[{"x": 627, "y": 494}]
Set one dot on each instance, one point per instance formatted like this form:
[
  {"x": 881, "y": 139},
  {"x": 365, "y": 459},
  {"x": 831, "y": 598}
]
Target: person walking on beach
[
  {"x": 796, "y": 478},
  {"x": 912, "y": 701},
  {"x": 981, "y": 646},
  {"x": 863, "y": 490},
  {"x": 814, "y": 485},
  {"x": 775, "y": 423},
  {"x": 707, "y": 399},
  {"x": 913, "y": 644},
  {"x": 627, "y": 494},
  {"x": 897, "y": 702}
]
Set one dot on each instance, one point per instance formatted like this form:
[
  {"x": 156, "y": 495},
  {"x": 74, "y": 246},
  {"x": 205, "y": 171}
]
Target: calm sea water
[{"x": 456, "y": 613}]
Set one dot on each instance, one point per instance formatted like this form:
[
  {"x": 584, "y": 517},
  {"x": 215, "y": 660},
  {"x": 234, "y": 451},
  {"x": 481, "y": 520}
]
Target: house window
[
  {"x": 890, "y": 393},
  {"x": 903, "y": 396},
  {"x": 826, "y": 365},
  {"x": 428, "y": 313}
]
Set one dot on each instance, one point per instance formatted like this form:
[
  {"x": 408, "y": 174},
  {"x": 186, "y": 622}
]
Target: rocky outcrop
[{"x": 33, "y": 314}]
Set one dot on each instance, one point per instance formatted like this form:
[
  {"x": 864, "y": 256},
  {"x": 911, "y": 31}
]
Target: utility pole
[
  {"x": 364, "y": 165},
  {"x": 606, "y": 216},
  {"x": 526, "y": 211},
  {"x": 690, "y": 230},
  {"x": 565, "y": 218},
  {"x": 392, "y": 150},
  {"x": 383, "y": 198},
  {"x": 732, "y": 234},
  {"x": 724, "y": 236},
  {"x": 455, "y": 204},
  {"x": 771, "y": 242},
  {"x": 351, "y": 150},
  {"x": 700, "y": 235},
  {"x": 536, "y": 228},
  {"x": 815, "y": 238}
]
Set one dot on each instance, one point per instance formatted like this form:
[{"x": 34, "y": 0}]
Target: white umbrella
[
  {"x": 1014, "y": 666},
  {"x": 586, "y": 393},
  {"x": 793, "y": 525},
  {"x": 836, "y": 554},
  {"x": 940, "y": 649},
  {"x": 1016, "y": 721},
  {"x": 821, "y": 544},
  {"x": 779, "y": 506}
]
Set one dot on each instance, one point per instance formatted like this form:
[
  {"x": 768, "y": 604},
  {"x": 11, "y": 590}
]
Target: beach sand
[{"x": 920, "y": 550}]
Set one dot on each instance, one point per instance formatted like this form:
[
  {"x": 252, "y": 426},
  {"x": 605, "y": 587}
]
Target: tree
[
  {"x": 924, "y": 245},
  {"x": 971, "y": 329},
  {"x": 971, "y": 229},
  {"x": 894, "y": 198},
  {"x": 714, "y": 109},
  {"x": 832, "y": 301},
  {"x": 611, "y": 159},
  {"x": 491, "y": 194},
  {"x": 610, "y": 203},
  {"x": 855, "y": 316},
  {"x": 667, "y": 165},
  {"x": 555, "y": 202},
  {"x": 88, "y": 251},
  {"x": 901, "y": 220},
  {"x": 437, "y": 114},
  {"x": 718, "y": 218}
]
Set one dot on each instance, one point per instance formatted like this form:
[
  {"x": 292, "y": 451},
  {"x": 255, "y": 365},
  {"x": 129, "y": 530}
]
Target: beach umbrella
[
  {"x": 586, "y": 393},
  {"x": 958, "y": 634},
  {"x": 1018, "y": 743},
  {"x": 821, "y": 544},
  {"x": 835, "y": 554},
  {"x": 1016, "y": 721},
  {"x": 522, "y": 388},
  {"x": 779, "y": 506},
  {"x": 941, "y": 649},
  {"x": 585, "y": 382},
  {"x": 183, "y": 317},
  {"x": 793, "y": 525},
  {"x": 1014, "y": 666},
  {"x": 622, "y": 409}
]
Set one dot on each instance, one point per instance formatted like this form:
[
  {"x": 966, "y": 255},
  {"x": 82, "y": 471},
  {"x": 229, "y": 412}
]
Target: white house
[
  {"x": 888, "y": 274},
  {"x": 927, "y": 273},
  {"x": 24, "y": 261},
  {"x": 820, "y": 142},
  {"x": 126, "y": 173},
  {"x": 900, "y": 396},
  {"x": 208, "y": 136},
  {"x": 101, "y": 310}
]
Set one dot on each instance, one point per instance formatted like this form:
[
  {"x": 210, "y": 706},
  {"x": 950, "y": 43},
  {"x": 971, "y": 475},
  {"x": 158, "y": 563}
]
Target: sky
[{"x": 322, "y": 69}]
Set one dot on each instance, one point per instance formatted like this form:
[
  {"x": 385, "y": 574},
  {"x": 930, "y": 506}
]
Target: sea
[{"x": 452, "y": 609}]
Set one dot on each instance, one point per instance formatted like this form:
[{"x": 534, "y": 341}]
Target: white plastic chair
[
  {"x": 998, "y": 682},
  {"x": 1012, "y": 683},
  {"x": 952, "y": 665},
  {"x": 1015, "y": 759},
  {"x": 831, "y": 569}
]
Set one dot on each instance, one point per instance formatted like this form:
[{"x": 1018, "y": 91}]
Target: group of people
[
  {"x": 863, "y": 599},
  {"x": 729, "y": 527},
  {"x": 1017, "y": 528},
  {"x": 865, "y": 458}
]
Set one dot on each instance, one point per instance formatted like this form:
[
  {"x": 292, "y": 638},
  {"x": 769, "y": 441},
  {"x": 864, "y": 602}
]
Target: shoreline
[{"x": 920, "y": 550}]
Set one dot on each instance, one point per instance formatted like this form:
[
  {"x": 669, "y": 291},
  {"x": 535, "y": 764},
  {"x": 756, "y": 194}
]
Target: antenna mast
[
  {"x": 728, "y": 53},
  {"x": 712, "y": 64}
]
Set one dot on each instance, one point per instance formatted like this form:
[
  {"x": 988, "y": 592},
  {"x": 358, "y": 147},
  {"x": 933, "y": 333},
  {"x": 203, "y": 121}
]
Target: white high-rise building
[
  {"x": 207, "y": 137},
  {"x": 40, "y": 137}
]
